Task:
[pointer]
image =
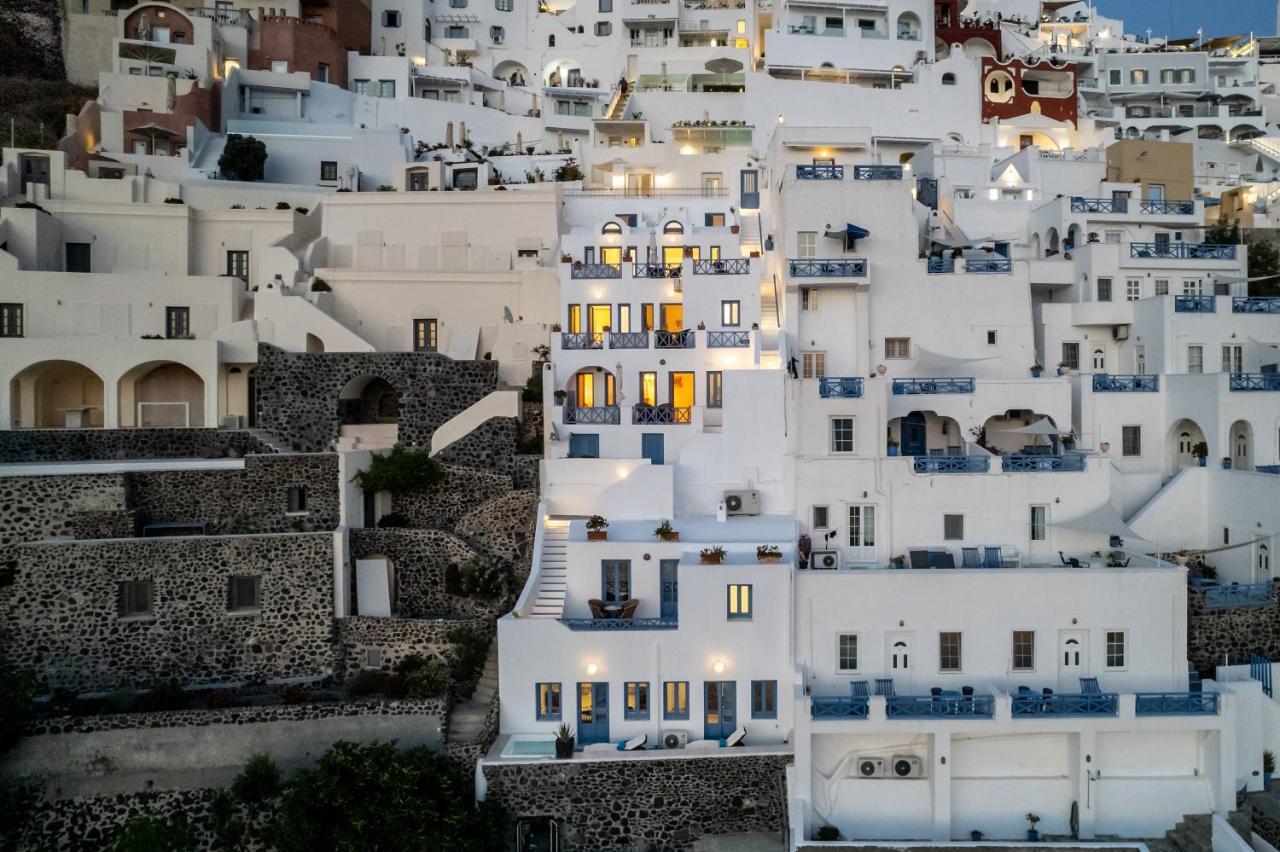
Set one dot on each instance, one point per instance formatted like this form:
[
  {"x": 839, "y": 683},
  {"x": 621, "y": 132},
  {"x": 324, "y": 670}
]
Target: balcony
[
  {"x": 595, "y": 270},
  {"x": 994, "y": 265},
  {"x": 1251, "y": 305},
  {"x": 1176, "y": 704},
  {"x": 601, "y": 415},
  {"x": 657, "y": 270},
  {"x": 620, "y": 623},
  {"x": 581, "y": 340},
  {"x": 1255, "y": 382},
  {"x": 1099, "y": 205},
  {"x": 941, "y": 265},
  {"x": 830, "y": 707},
  {"x": 840, "y": 387},
  {"x": 650, "y": 192},
  {"x": 1031, "y": 704},
  {"x": 1108, "y": 383},
  {"x": 1023, "y": 463},
  {"x": 628, "y": 340},
  {"x": 1167, "y": 208},
  {"x": 674, "y": 339},
  {"x": 729, "y": 266},
  {"x": 945, "y": 705},
  {"x": 834, "y": 268},
  {"x": 1194, "y": 304},
  {"x": 728, "y": 339},
  {"x": 877, "y": 172},
  {"x": 952, "y": 464},
  {"x": 660, "y": 415},
  {"x": 1182, "y": 251},
  {"x": 1238, "y": 595},
  {"x": 914, "y": 387},
  {"x": 819, "y": 172}
]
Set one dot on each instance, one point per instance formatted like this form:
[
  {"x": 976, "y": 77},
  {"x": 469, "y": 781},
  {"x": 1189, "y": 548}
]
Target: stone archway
[
  {"x": 57, "y": 395},
  {"x": 368, "y": 399},
  {"x": 161, "y": 394}
]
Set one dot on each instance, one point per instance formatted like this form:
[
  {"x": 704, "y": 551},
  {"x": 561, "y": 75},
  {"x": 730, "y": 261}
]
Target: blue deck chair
[
  {"x": 992, "y": 558},
  {"x": 969, "y": 557},
  {"x": 858, "y": 688},
  {"x": 884, "y": 686},
  {"x": 1089, "y": 686}
]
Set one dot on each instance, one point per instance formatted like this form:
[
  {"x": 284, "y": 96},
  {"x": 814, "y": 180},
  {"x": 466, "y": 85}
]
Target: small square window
[
  {"x": 504, "y": 5},
  {"x": 847, "y": 652},
  {"x": 991, "y": 337},
  {"x": 897, "y": 347},
  {"x": 135, "y": 598},
  {"x": 297, "y": 498},
  {"x": 1024, "y": 650},
  {"x": 713, "y": 220},
  {"x": 764, "y": 699},
  {"x": 675, "y": 699},
  {"x": 842, "y": 434},
  {"x": 1117, "y": 650},
  {"x": 949, "y": 652},
  {"x": 604, "y": 28},
  {"x": 636, "y": 694},
  {"x": 391, "y": 18},
  {"x": 548, "y": 701},
  {"x": 739, "y": 602},
  {"x": 953, "y": 527},
  {"x": 328, "y": 170},
  {"x": 820, "y": 515},
  {"x": 807, "y": 244},
  {"x": 1131, "y": 440},
  {"x": 243, "y": 593}
]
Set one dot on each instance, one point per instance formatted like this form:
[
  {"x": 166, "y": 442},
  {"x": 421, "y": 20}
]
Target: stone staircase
[
  {"x": 367, "y": 436},
  {"x": 618, "y": 109},
  {"x": 466, "y": 722},
  {"x": 1193, "y": 834},
  {"x": 271, "y": 440},
  {"x": 553, "y": 572}
]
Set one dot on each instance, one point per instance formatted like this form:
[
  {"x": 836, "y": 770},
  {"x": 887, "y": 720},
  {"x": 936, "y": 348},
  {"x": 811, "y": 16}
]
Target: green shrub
[
  {"x": 243, "y": 158},
  {"x": 320, "y": 286},
  {"x": 164, "y": 695},
  {"x": 530, "y": 446},
  {"x": 283, "y": 205},
  {"x": 484, "y": 581},
  {"x": 430, "y": 679},
  {"x": 367, "y": 682},
  {"x": 399, "y": 471},
  {"x": 393, "y": 520},
  {"x": 258, "y": 782},
  {"x": 467, "y": 658},
  {"x": 150, "y": 833},
  {"x": 533, "y": 389}
]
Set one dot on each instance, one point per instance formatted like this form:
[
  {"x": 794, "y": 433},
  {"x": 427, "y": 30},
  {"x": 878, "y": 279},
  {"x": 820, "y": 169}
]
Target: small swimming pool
[{"x": 529, "y": 745}]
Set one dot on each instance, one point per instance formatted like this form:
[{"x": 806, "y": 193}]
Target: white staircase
[
  {"x": 553, "y": 571},
  {"x": 769, "y": 324},
  {"x": 1267, "y": 146},
  {"x": 618, "y": 109},
  {"x": 749, "y": 234}
]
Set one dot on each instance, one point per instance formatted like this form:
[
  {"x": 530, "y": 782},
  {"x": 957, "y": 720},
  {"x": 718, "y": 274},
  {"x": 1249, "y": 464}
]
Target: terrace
[
  {"x": 1252, "y": 305},
  {"x": 1032, "y": 463},
  {"x": 1255, "y": 382},
  {"x": 829, "y": 268},
  {"x": 1121, "y": 205},
  {"x": 1181, "y": 251},
  {"x": 1114, "y": 383},
  {"x": 840, "y": 387},
  {"x": 1194, "y": 304},
  {"x": 952, "y": 464},
  {"x": 913, "y": 387},
  {"x": 722, "y": 266}
]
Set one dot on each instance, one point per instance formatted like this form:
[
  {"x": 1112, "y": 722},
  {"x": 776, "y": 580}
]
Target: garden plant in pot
[
  {"x": 769, "y": 553},
  {"x": 666, "y": 532},
  {"x": 1268, "y": 769},
  {"x": 564, "y": 742},
  {"x": 1201, "y": 452},
  {"x": 1032, "y": 834},
  {"x": 712, "y": 555},
  {"x": 596, "y": 528}
]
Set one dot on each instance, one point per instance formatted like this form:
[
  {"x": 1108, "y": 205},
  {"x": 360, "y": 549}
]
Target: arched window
[
  {"x": 551, "y": 40},
  {"x": 948, "y": 79},
  {"x": 611, "y": 228},
  {"x": 1099, "y": 360},
  {"x": 1264, "y": 562},
  {"x": 673, "y": 227}
]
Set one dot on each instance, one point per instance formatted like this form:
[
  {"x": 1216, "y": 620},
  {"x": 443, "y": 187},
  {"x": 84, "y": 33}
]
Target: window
[
  {"x": 815, "y": 364},
  {"x": 636, "y": 693},
  {"x": 1133, "y": 289},
  {"x": 1039, "y": 521},
  {"x": 604, "y": 28},
  {"x": 713, "y": 220},
  {"x": 78, "y": 257},
  {"x": 739, "y": 602},
  {"x": 1232, "y": 358},
  {"x": 391, "y": 18},
  {"x": 504, "y": 5},
  {"x": 764, "y": 699},
  {"x": 615, "y": 580},
  {"x": 297, "y": 498},
  {"x": 1116, "y": 650},
  {"x": 1071, "y": 354},
  {"x": 841, "y": 434},
  {"x": 458, "y": 4},
  {"x": 1113, "y": 76},
  {"x": 279, "y": 66},
  {"x": 360, "y": 87},
  {"x": 809, "y": 298},
  {"x": 730, "y": 313},
  {"x": 1162, "y": 286},
  {"x": 807, "y": 244},
  {"x": 675, "y": 699},
  {"x": 606, "y": 6},
  {"x": 419, "y": 181},
  {"x": 991, "y": 338},
  {"x": 715, "y": 389},
  {"x": 949, "y": 652},
  {"x": 322, "y": 72},
  {"x": 948, "y": 79},
  {"x": 673, "y": 227},
  {"x": 386, "y": 88},
  {"x": 10, "y": 320},
  {"x": 425, "y": 337},
  {"x": 1131, "y": 440},
  {"x": 1138, "y": 76},
  {"x": 1104, "y": 289},
  {"x": 1113, "y": 236},
  {"x": 953, "y": 527},
  {"x": 1024, "y": 650},
  {"x": 847, "y": 652},
  {"x": 242, "y": 593},
  {"x": 135, "y": 598},
  {"x": 624, "y": 315},
  {"x": 238, "y": 264},
  {"x": 897, "y": 347},
  {"x": 1195, "y": 358},
  {"x": 328, "y": 170},
  {"x": 177, "y": 323},
  {"x": 862, "y": 526},
  {"x": 714, "y": 252},
  {"x": 648, "y": 388},
  {"x": 548, "y": 696},
  {"x": 819, "y": 517},
  {"x": 456, "y": 31},
  {"x": 1191, "y": 287}
]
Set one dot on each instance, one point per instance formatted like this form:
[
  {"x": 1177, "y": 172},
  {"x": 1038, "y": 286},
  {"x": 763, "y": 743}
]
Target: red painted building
[
  {"x": 950, "y": 28},
  {"x": 1013, "y": 89},
  {"x": 316, "y": 42}
]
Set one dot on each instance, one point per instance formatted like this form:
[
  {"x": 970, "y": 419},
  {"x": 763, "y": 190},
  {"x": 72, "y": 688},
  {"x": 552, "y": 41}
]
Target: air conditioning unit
[
  {"x": 871, "y": 767},
  {"x": 1119, "y": 332},
  {"x": 675, "y": 739},
  {"x": 907, "y": 766},
  {"x": 742, "y": 502},
  {"x": 824, "y": 560}
]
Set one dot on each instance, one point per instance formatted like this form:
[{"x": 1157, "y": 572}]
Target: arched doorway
[
  {"x": 1241, "y": 439},
  {"x": 56, "y": 395},
  {"x": 161, "y": 394},
  {"x": 924, "y": 433},
  {"x": 314, "y": 344},
  {"x": 1184, "y": 437},
  {"x": 368, "y": 399},
  {"x": 591, "y": 395},
  {"x": 1021, "y": 431}
]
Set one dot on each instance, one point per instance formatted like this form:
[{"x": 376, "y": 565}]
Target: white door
[
  {"x": 900, "y": 657},
  {"x": 1071, "y": 659},
  {"x": 862, "y": 534},
  {"x": 1099, "y": 361}
]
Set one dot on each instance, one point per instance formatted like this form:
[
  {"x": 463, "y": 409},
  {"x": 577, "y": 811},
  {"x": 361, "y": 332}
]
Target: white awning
[
  {"x": 928, "y": 361},
  {"x": 1040, "y": 427},
  {"x": 1103, "y": 520}
]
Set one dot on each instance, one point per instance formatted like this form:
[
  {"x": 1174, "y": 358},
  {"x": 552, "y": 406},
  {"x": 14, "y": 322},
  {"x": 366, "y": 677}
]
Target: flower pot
[
  {"x": 597, "y": 535},
  {"x": 1266, "y": 780},
  {"x": 1035, "y": 372},
  {"x": 775, "y": 558},
  {"x": 893, "y": 451},
  {"x": 975, "y": 836},
  {"x": 1033, "y": 836},
  {"x": 1064, "y": 371},
  {"x": 1203, "y": 462},
  {"x": 671, "y": 536},
  {"x": 733, "y": 229},
  {"x": 564, "y": 748},
  {"x": 709, "y": 560}
]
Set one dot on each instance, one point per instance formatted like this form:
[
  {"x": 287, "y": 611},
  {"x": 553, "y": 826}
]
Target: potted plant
[
  {"x": 827, "y": 833},
  {"x": 712, "y": 555},
  {"x": 596, "y": 531},
  {"x": 898, "y": 561},
  {"x": 769, "y": 553},
  {"x": 666, "y": 533},
  {"x": 1201, "y": 452},
  {"x": 1032, "y": 834},
  {"x": 1036, "y": 369},
  {"x": 564, "y": 742},
  {"x": 1064, "y": 369},
  {"x": 560, "y": 395},
  {"x": 1226, "y": 463},
  {"x": 1268, "y": 769},
  {"x": 893, "y": 447},
  {"x": 976, "y": 836},
  {"x": 1069, "y": 440},
  {"x": 733, "y": 229},
  {"x": 555, "y": 326}
]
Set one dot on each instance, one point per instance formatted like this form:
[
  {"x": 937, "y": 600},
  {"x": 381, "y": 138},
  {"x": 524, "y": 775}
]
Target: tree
[
  {"x": 399, "y": 471},
  {"x": 243, "y": 158},
  {"x": 150, "y": 833},
  {"x": 1264, "y": 259},
  {"x": 569, "y": 171},
  {"x": 258, "y": 782}
]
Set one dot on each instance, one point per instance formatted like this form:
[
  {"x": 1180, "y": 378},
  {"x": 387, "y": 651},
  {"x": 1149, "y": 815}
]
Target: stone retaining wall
[
  {"x": 460, "y": 492},
  {"x": 38, "y": 445},
  {"x": 1263, "y": 824},
  {"x": 490, "y": 446},
  {"x": 90, "y": 824},
  {"x": 422, "y": 559},
  {"x": 504, "y": 528},
  {"x": 1232, "y": 633},
  {"x": 39, "y": 507},
  {"x": 397, "y": 638}
]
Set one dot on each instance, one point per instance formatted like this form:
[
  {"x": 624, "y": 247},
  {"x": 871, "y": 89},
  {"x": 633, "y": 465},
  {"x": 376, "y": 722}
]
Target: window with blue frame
[
  {"x": 764, "y": 699},
  {"x": 738, "y": 605},
  {"x": 637, "y": 695},
  {"x": 548, "y": 696},
  {"x": 615, "y": 580},
  {"x": 675, "y": 700}
]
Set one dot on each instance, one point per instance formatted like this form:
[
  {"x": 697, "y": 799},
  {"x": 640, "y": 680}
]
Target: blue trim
[
  {"x": 619, "y": 624},
  {"x": 764, "y": 699},
  {"x": 877, "y": 172},
  {"x": 1239, "y": 594},
  {"x": 1115, "y": 383},
  {"x": 1255, "y": 305},
  {"x": 1064, "y": 704},
  {"x": 1021, "y": 463},
  {"x": 667, "y": 712},
  {"x": 823, "y": 707},
  {"x": 912, "y": 387},
  {"x": 642, "y": 691},
  {"x": 1176, "y": 704},
  {"x": 1194, "y": 304},
  {"x": 728, "y": 599},
  {"x": 1254, "y": 382},
  {"x": 829, "y": 268},
  {"x": 555, "y": 694},
  {"x": 819, "y": 171},
  {"x": 1182, "y": 251},
  {"x": 952, "y": 464},
  {"x": 840, "y": 387},
  {"x": 1260, "y": 670},
  {"x": 939, "y": 707}
]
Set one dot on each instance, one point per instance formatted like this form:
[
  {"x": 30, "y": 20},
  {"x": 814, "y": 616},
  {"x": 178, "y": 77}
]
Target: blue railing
[
  {"x": 660, "y": 415},
  {"x": 989, "y": 265},
  {"x": 620, "y": 623},
  {"x": 603, "y": 415},
  {"x": 952, "y": 464},
  {"x": 1112, "y": 383},
  {"x": 723, "y": 266},
  {"x": 1099, "y": 205},
  {"x": 877, "y": 172},
  {"x": 840, "y": 387},
  {"x": 581, "y": 340},
  {"x": 728, "y": 339},
  {"x": 941, "y": 265},
  {"x": 1182, "y": 251},
  {"x": 819, "y": 171},
  {"x": 1176, "y": 704},
  {"x": 674, "y": 339},
  {"x": 1260, "y": 670},
  {"x": 595, "y": 270},
  {"x": 807, "y": 268},
  {"x": 656, "y": 270},
  {"x": 838, "y": 708},
  {"x": 628, "y": 340},
  {"x": 1020, "y": 463},
  {"x": 1266, "y": 468},
  {"x": 1194, "y": 304},
  {"x": 1239, "y": 594},
  {"x": 1166, "y": 208},
  {"x": 912, "y": 387},
  {"x": 932, "y": 707},
  {"x": 1255, "y": 305},
  {"x": 1255, "y": 382},
  {"x": 1065, "y": 704}
]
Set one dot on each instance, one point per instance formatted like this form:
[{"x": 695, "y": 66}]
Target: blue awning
[{"x": 849, "y": 233}]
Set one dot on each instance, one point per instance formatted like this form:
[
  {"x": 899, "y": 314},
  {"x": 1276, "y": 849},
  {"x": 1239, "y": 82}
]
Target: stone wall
[
  {"x": 660, "y": 802},
  {"x": 503, "y": 528},
  {"x": 421, "y": 559},
  {"x": 525, "y": 472},
  {"x": 62, "y": 610},
  {"x": 39, "y": 507},
  {"x": 90, "y": 824},
  {"x": 298, "y": 392},
  {"x": 397, "y": 638},
  {"x": 37, "y": 445},
  {"x": 1231, "y": 633},
  {"x": 1264, "y": 819},
  {"x": 490, "y": 446},
  {"x": 460, "y": 492}
]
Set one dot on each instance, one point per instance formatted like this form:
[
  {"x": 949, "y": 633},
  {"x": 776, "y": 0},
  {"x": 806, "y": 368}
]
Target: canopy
[
  {"x": 723, "y": 65},
  {"x": 1055, "y": 5},
  {"x": 928, "y": 362},
  {"x": 948, "y": 242},
  {"x": 1103, "y": 520},
  {"x": 1222, "y": 42},
  {"x": 1040, "y": 427},
  {"x": 850, "y": 232}
]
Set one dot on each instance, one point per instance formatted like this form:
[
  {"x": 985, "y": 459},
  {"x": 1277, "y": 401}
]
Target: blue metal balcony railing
[
  {"x": 840, "y": 387},
  {"x": 941, "y": 265},
  {"x": 877, "y": 172},
  {"x": 810, "y": 268},
  {"x": 1065, "y": 704},
  {"x": 620, "y": 623},
  {"x": 1252, "y": 305},
  {"x": 1182, "y": 251},
  {"x": 940, "y": 706},
  {"x": 912, "y": 387},
  {"x": 1239, "y": 594},
  {"x": 1020, "y": 463},
  {"x": 1255, "y": 382},
  {"x": 1109, "y": 383},
  {"x": 1168, "y": 208},
  {"x": 674, "y": 339},
  {"x": 832, "y": 707},
  {"x": 628, "y": 340},
  {"x": 722, "y": 266},
  {"x": 1266, "y": 468},
  {"x": 989, "y": 265},
  {"x": 595, "y": 270},
  {"x": 1176, "y": 704},
  {"x": 656, "y": 270},
  {"x": 1194, "y": 304},
  {"x": 952, "y": 464},
  {"x": 819, "y": 171},
  {"x": 600, "y": 415},
  {"x": 660, "y": 415},
  {"x": 581, "y": 340},
  {"x": 1099, "y": 205},
  {"x": 728, "y": 339}
]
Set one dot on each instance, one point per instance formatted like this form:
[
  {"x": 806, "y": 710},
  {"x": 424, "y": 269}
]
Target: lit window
[
  {"x": 548, "y": 695},
  {"x": 675, "y": 699},
  {"x": 739, "y": 602},
  {"x": 730, "y": 313},
  {"x": 10, "y": 319},
  {"x": 425, "y": 335},
  {"x": 637, "y": 699}
]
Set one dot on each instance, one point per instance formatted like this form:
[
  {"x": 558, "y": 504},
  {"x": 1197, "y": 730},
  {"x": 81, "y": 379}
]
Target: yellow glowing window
[
  {"x": 611, "y": 255},
  {"x": 586, "y": 391},
  {"x": 649, "y": 388},
  {"x": 682, "y": 390},
  {"x": 739, "y": 604},
  {"x": 742, "y": 27},
  {"x": 601, "y": 315},
  {"x": 673, "y": 317},
  {"x": 672, "y": 254},
  {"x": 675, "y": 699},
  {"x": 575, "y": 319}
]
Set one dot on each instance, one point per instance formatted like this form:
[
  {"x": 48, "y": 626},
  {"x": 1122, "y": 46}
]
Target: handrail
[
  {"x": 839, "y": 707},
  {"x": 581, "y": 340},
  {"x": 535, "y": 569},
  {"x": 1194, "y": 304},
  {"x": 617, "y": 624},
  {"x": 685, "y": 339},
  {"x": 595, "y": 270},
  {"x": 723, "y": 266},
  {"x": 988, "y": 265},
  {"x": 1115, "y": 383},
  {"x": 1064, "y": 704},
  {"x": 833, "y": 268},
  {"x": 1239, "y": 594},
  {"x": 840, "y": 387},
  {"x": 952, "y": 464},
  {"x": 939, "y": 706},
  {"x": 912, "y": 387},
  {"x": 1023, "y": 463},
  {"x": 657, "y": 270},
  {"x": 602, "y": 415},
  {"x": 628, "y": 340},
  {"x": 1255, "y": 305},
  {"x": 1254, "y": 382},
  {"x": 651, "y": 192},
  {"x": 877, "y": 172},
  {"x": 819, "y": 171},
  {"x": 1182, "y": 251},
  {"x": 660, "y": 415},
  {"x": 728, "y": 339},
  {"x": 1176, "y": 704}
]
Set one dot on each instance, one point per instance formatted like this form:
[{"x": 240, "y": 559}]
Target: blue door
[
  {"x": 720, "y": 713},
  {"x": 914, "y": 442},
  {"x": 670, "y": 591},
  {"x": 651, "y": 447},
  {"x": 749, "y": 189},
  {"x": 593, "y": 713},
  {"x": 584, "y": 446}
]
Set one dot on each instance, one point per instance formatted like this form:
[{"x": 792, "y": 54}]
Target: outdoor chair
[
  {"x": 597, "y": 608},
  {"x": 629, "y": 608},
  {"x": 1071, "y": 561},
  {"x": 969, "y": 558},
  {"x": 1089, "y": 686},
  {"x": 884, "y": 686},
  {"x": 858, "y": 688}
]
